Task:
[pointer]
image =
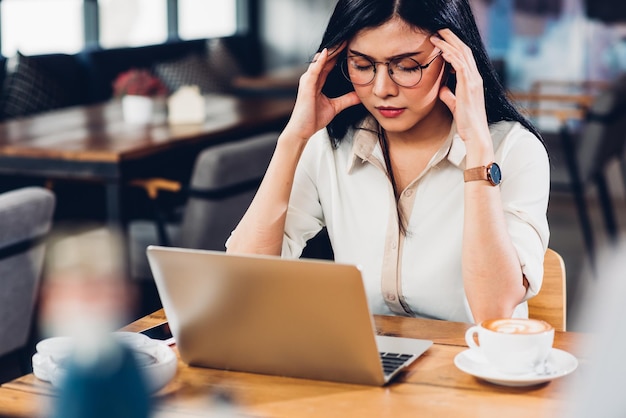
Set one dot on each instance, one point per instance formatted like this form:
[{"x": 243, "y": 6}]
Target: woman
[{"x": 395, "y": 145}]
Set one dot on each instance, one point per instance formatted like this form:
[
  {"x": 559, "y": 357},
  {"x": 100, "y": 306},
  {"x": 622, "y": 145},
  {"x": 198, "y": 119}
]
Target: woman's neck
[{"x": 407, "y": 154}]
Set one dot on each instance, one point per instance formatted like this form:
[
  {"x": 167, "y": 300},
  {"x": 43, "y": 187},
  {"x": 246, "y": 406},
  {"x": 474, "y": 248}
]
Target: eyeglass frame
[{"x": 344, "y": 69}]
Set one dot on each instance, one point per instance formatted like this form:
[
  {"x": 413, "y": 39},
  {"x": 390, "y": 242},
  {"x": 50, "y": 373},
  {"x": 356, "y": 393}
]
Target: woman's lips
[{"x": 390, "y": 112}]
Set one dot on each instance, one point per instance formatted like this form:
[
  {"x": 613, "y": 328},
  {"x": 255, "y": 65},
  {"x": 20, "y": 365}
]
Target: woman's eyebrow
[{"x": 405, "y": 55}]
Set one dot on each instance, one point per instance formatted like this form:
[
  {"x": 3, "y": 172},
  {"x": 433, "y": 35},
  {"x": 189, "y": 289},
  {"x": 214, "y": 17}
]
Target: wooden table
[
  {"x": 93, "y": 143},
  {"x": 432, "y": 386}
]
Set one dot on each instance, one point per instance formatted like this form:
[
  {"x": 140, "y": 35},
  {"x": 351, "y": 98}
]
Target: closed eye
[
  {"x": 406, "y": 65},
  {"x": 360, "y": 64}
]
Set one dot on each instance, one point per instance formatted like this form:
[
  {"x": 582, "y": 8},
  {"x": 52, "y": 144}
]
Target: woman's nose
[{"x": 383, "y": 84}]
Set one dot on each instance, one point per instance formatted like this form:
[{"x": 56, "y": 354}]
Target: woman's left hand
[{"x": 467, "y": 103}]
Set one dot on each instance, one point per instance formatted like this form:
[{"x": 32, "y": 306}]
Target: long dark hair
[{"x": 352, "y": 16}]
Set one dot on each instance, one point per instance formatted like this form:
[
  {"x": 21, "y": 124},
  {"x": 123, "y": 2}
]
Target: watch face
[{"x": 494, "y": 174}]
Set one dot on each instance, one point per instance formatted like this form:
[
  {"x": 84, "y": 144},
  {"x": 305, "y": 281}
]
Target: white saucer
[
  {"x": 154, "y": 358},
  {"x": 560, "y": 363}
]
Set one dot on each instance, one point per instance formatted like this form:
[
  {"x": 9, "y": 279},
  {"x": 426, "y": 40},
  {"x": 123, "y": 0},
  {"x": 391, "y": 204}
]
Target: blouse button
[
  {"x": 391, "y": 297},
  {"x": 408, "y": 193}
]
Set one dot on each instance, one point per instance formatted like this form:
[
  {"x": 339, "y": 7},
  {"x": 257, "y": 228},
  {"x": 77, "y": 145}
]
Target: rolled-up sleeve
[
  {"x": 525, "y": 192},
  {"x": 305, "y": 216}
]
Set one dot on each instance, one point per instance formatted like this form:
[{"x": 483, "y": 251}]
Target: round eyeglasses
[{"x": 404, "y": 71}]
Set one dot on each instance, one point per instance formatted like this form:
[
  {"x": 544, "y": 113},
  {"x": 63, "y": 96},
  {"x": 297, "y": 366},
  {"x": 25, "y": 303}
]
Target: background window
[
  {"x": 41, "y": 26},
  {"x": 132, "y": 22},
  {"x": 206, "y": 19}
]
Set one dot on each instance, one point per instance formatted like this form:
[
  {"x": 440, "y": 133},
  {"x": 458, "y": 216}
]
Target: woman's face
[{"x": 397, "y": 109}]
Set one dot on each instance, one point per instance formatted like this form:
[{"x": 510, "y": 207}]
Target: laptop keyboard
[{"x": 394, "y": 361}]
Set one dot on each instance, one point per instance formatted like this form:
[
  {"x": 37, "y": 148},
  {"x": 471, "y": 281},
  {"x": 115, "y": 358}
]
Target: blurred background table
[{"x": 94, "y": 144}]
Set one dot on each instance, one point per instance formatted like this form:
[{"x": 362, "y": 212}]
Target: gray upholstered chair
[
  {"x": 223, "y": 182},
  {"x": 25, "y": 219}
]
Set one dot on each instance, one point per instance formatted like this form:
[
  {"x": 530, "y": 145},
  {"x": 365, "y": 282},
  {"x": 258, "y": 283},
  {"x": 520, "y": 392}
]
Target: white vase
[{"x": 137, "y": 109}]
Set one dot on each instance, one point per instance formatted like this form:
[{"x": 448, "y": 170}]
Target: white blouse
[{"x": 348, "y": 191}]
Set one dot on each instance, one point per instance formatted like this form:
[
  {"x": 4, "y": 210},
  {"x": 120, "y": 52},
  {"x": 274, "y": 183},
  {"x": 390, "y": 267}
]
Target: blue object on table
[{"x": 110, "y": 386}]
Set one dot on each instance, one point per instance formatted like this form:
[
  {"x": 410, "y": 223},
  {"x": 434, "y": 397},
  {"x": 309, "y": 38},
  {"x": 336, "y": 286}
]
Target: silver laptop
[{"x": 262, "y": 314}]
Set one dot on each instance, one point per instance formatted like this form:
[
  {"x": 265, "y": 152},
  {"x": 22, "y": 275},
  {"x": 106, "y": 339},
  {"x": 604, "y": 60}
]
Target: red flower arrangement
[{"x": 138, "y": 82}]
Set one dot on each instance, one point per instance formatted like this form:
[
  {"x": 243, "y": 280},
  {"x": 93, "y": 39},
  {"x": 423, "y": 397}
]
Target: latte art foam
[{"x": 517, "y": 326}]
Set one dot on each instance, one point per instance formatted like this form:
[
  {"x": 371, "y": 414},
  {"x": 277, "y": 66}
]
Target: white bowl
[
  {"x": 156, "y": 360},
  {"x": 158, "y": 373},
  {"x": 57, "y": 349},
  {"x": 132, "y": 339}
]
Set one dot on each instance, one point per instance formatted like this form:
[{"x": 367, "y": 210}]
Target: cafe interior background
[{"x": 530, "y": 41}]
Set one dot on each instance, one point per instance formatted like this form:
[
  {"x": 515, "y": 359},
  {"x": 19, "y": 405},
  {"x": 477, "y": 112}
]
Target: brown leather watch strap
[
  {"x": 476, "y": 173},
  {"x": 490, "y": 173}
]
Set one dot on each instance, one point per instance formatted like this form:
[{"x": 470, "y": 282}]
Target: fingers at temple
[{"x": 346, "y": 101}]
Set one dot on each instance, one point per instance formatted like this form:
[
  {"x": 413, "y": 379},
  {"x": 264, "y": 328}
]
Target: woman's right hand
[{"x": 314, "y": 110}]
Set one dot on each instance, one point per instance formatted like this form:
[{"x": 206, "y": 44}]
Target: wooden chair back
[{"x": 550, "y": 304}]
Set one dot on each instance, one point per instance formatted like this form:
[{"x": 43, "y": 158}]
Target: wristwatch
[{"x": 490, "y": 173}]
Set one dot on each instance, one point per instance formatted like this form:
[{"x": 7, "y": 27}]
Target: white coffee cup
[{"x": 512, "y": 346}]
